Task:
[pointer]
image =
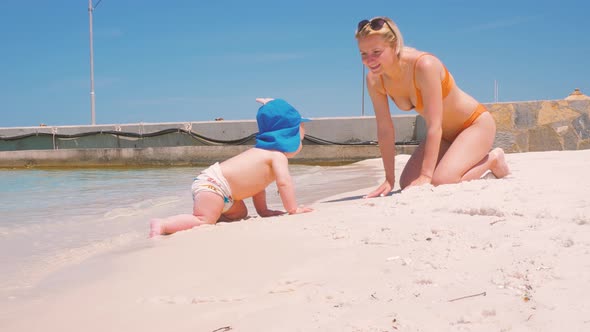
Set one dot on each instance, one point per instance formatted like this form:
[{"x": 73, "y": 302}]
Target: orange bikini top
[{"x": 447, "y": 84}]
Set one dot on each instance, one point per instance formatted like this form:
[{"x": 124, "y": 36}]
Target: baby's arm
[
  {"x": 280, "y": 166},
  {"x": 259, "y": 201}
]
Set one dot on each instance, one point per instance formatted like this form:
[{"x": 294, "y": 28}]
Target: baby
[{"x": 219, "y": 191}]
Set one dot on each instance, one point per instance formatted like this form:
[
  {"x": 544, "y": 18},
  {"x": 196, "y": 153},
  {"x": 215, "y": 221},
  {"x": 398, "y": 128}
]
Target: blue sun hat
[{"x": 278, "y": 126}]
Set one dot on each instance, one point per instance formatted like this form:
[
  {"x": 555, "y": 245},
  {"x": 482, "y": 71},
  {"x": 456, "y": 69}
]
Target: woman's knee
[{"x": 442, "y": 177}]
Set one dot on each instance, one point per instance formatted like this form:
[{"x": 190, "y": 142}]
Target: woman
[{"x": 460, "y": 131}]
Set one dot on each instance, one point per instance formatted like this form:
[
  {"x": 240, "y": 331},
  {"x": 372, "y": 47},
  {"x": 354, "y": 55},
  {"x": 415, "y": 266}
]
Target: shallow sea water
[{"x": 52, "y": 218}]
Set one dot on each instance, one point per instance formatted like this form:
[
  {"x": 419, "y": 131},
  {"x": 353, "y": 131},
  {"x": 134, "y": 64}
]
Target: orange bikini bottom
[{"x": 478, "y": 111}]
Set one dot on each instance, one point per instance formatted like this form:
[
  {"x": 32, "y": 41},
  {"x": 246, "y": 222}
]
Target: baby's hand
[
  {"x": 270, "y": 213},
  {"x": 263, "y": 101}
]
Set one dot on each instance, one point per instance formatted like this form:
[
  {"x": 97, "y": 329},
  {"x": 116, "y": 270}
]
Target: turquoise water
[{"x": 50, "y": 219}]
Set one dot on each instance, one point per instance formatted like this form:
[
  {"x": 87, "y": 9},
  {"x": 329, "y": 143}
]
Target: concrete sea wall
[
  {"x": 328, "y": 141},
  {"x": 521, "y": 127}
]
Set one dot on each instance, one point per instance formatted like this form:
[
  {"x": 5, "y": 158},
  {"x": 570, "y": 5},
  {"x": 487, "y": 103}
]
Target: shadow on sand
[{"x": 352, "y": 198}]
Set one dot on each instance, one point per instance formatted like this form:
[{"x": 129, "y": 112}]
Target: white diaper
[{"x": 212, "y": 180}]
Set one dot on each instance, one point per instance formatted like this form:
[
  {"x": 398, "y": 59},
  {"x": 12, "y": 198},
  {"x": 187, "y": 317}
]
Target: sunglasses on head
[{"x": 375, "y": 24}]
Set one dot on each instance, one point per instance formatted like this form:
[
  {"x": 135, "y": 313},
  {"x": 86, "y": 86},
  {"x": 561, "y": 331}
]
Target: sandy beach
[{"x": 508, "y": 254}]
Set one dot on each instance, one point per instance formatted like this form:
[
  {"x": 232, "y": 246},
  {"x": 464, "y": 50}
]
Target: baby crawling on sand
[{"x": 219, "y": 191}]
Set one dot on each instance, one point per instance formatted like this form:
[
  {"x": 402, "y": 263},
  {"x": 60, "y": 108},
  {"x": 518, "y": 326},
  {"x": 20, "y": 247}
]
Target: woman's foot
[
  {"x": 156, "y": 227},
  {"x": 499, "y": 167}
]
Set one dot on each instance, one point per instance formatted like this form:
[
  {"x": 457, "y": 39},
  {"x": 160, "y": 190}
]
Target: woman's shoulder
[
  {"x": 411, "y": 55},
  {"x": 375, "y": 83},
  {"x": 424, "y": 62}
]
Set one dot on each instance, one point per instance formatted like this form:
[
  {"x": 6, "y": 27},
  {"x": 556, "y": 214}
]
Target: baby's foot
[
  {"x": 156, "y": 227},
  {"x": 499, "y": 166}
]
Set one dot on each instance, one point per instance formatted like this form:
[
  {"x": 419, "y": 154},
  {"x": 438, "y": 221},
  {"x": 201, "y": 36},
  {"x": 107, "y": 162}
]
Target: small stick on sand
[
  {"x": 222, "y": 329},
  {"x": 497, "y": 221},
  {"x": 468, "y": 296}
]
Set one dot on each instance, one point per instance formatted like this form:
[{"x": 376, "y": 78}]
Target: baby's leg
[
  {"x": 206, "y": 210},
  {"x": 238, "y": 211},
  {"x": 156, "y": 227},
  {"x": 173, "y": 224}
]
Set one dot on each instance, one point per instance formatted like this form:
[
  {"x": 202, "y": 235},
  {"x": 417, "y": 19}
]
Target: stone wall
[{"x": 542, "y": 125}]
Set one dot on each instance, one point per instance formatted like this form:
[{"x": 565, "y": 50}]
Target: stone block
[
  {"x": 582, "y": 106},
  {"x": 507, "y": 141},
  {"x": 526, "y": 114},
  {"x": 570, "y": 140},
  {"x": 544, "y": 139},
  {"x": 582, "y": 126},
  {"x": 499, "y": 107},
  {"x": 562, "y": 103},
  {"x": 504, "y": 118},
  {"x": 550, "y": 112},
  {"x": 584, "y": 145},
  {"x": 522, "y": 141}
]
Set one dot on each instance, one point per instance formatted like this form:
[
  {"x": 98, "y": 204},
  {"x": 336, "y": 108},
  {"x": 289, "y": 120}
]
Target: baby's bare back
[{"x": 250, "y": 172}]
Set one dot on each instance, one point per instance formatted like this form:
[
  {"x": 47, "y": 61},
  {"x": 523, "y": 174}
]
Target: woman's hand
[
  {"x": 382, "y": 190},
  {"x": 422, "y": 179},
  {"x": 302, "y": 209}
]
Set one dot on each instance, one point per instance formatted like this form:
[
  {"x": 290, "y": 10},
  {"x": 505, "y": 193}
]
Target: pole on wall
[
  {"x": 92, "y": 96},
  {"x": 363, "y": 94}
]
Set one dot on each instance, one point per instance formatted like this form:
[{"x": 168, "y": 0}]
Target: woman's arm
[
  {"x": 428, "y": 80},
  {"x": 385, "y": 133}
]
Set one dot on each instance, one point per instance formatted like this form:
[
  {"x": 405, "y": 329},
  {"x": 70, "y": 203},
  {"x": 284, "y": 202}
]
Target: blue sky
[{"x": 180, "y": 61}]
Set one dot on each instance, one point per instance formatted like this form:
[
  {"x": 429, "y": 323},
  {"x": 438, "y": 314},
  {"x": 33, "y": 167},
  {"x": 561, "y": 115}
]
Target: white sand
[{"x": 387, "y": 264}]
